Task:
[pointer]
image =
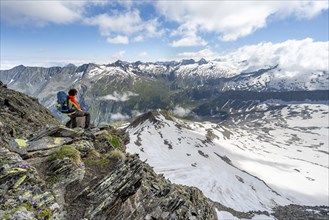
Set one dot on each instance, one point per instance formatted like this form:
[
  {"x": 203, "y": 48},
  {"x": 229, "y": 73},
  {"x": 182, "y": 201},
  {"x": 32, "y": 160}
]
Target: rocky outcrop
[
  {"x": 296, "y": 212},
  {"x": 134, "y": 191},
  {"x": 22, "y": 116},
  {"x": 23, "y": 192},
  {"x": 49, "y": 171}
]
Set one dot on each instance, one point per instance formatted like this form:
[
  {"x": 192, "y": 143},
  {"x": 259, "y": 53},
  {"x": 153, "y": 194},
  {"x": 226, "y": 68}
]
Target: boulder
[
  {"x": 22, "y": 116},
  {"x": 58, "y": 131}
]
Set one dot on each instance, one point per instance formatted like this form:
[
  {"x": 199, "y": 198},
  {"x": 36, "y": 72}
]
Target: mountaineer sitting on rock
[{"x": 78, "y": 112}]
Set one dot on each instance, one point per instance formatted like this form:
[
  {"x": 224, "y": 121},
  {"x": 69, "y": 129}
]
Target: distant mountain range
[{"x": 121, "y": 90}]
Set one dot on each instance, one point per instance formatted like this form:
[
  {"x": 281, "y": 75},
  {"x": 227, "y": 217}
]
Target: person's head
[{"x": 73, "y": 92}]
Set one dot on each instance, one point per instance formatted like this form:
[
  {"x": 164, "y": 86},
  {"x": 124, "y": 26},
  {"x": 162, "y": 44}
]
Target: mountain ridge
[{"x": 166, "y": 85}]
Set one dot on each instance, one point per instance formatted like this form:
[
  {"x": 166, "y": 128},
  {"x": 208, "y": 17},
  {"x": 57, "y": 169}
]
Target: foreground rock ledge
[
  {"x": 134, "y": 191},
  {"x": 48, "y": 171}
]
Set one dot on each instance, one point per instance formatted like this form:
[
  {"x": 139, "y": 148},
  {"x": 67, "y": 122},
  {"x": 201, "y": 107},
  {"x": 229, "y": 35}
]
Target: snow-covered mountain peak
[
  {"x": 154, "y": 117},
  {"x": 249, "y": 162}
]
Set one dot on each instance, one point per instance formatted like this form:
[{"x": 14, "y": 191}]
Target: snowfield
[{"x": 277, "y": 155}]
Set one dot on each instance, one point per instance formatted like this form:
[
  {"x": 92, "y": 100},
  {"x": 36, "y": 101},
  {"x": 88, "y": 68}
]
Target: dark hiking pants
[{"x": 80, "y": 114}]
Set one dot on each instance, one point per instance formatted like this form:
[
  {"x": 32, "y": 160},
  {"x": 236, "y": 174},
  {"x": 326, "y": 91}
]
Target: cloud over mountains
[
  {"x": 118, "y": 97},
  {"x": 233, "y": 19},
  {"x": 291, "y": 55},
  {"x": 228, "y": 20},
  {"x": 103, "y": 31}
]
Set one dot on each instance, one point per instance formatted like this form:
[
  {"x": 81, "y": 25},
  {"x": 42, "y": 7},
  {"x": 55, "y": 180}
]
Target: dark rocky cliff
[{"x": 48, "y": 171}]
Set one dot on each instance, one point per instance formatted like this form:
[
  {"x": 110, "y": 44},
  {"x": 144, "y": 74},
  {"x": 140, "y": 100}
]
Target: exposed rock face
[
  {"x": 134, "y": 191},
  {"x": 22, "y": 116},
  {"x": 23, "y": 192},
  {"x": 296, "y": 212},
  {"x": 48, "y": 171}
]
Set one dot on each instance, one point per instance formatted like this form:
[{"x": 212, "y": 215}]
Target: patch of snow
[
  {"x": 263, "y": 217},
  {"x": 12, "y": 80},
  {"x": 225, "y": 215}
]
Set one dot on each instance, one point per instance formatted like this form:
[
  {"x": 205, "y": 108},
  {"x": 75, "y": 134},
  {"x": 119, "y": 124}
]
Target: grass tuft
[
  {"x": 67, "y": 151},
  {"x": 113, "y": 139},
  {"x": 93, "y": 154},
  {"x": 116, "y": 155}
]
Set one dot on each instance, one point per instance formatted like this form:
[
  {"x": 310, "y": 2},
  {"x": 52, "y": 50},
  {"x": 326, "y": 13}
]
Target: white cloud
[
  {"x": 191, "y": 40},
  {"x": 152, "y": 28},
  {"x": 123, "y": 23},
  {"x": 119, "y": 55},
  {"x": 301, "y": 9},
  {"x": 142, "y": 54},
  {"x": 118, "y": 40},
  {"x": 39, "y": 13},
  {"x": 181, "y": 112},
  {"x": 136, "y": 113},
  {"x": 234, "y": 19},
  {"x": 127, "y": 23},
  {"x": 119, "y": 117},
  {"x": 8, "y": 64},
  {"x": 292, "y": 55},
  {"x": 138, "y": 38},
  {"x": 118, "y": 97},
  {"x": 206, "y": 53}
]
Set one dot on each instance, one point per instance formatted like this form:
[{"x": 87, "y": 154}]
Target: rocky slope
[{"x": 48, "y": 171}]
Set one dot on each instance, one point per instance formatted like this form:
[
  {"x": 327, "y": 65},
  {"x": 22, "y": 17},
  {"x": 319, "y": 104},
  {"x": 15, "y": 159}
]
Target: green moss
[
  {"x": 116, "y": 141},
  {"x": 93, "y": 154},
  {"x": 53, "y": 180},
  {"x": 21, "y": 143},
  {"x": 113, "y": 139},
  {"x": 67, "y": 151},
  {"x": 26, "y": 205},
  {"x": 40, "y": 213},
  {"x": 45, "y": 214}
]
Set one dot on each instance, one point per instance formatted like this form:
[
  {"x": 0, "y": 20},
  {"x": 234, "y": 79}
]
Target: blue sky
[{"x": 47, "y": 33}]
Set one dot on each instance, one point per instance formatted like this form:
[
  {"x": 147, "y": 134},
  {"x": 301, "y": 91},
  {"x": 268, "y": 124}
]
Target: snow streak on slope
[
  {"x": 212, "y": 69},
  {"x": 280, "y": 80},
  {"x": 275, "y": 156}
]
